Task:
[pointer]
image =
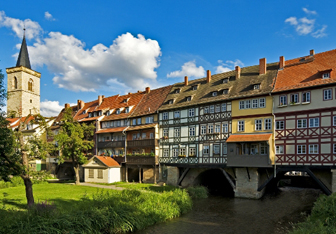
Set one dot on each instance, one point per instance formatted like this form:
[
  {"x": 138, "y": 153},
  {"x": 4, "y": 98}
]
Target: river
[{"x": 274, "y": 213}]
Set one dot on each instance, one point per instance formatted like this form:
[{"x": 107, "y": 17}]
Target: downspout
[{"x": 275, "y": 156}]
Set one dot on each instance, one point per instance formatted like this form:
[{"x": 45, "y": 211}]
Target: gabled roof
[
  {"x": 88, "y": 107},
  {"x": 306, "y": 72},
  {"x": 249, "y": 138},
  {"x": 23, "y": 59},
  {"x": 110, "y": 130},
  {"x": 107, "y": 161},
  {"x": 238, "y": 88},
  {"x": 107, "y": 103}
]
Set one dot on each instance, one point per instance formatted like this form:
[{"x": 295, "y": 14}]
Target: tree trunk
[
  {"x": 29, "y": 189},
  {"x": 76, "y": 168}
]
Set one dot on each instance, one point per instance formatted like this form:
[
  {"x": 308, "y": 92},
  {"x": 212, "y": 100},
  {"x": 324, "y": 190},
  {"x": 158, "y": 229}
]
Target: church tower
[{"x": 23, "y": 86}]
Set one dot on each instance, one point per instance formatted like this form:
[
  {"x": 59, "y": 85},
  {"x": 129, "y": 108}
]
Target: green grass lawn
[{"x": 142, "y": 186}]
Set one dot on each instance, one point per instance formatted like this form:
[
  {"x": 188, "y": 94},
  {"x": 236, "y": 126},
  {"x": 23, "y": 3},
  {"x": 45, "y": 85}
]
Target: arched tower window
[
  {"x": 30, "y": 85},
  {"x": 15, "y": 83}
]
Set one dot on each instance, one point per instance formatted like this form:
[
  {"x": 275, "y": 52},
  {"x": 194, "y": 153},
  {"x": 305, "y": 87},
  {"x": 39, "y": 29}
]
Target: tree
[{"x": 74, "y": 141}]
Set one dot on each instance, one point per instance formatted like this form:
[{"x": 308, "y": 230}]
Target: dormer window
[
  {"x": 326, "y": 75},
  {"x": 171, "y": 101},
  {"x": 195, "y": 87},
  {"x": 214, "y": 93},
  {"x": 126, "y": 109},
  {"x": 94, "y": 114},
  {"x": 90, "y": 114},
  {"x": 126, "y": 100},
  {"x": 118, "y": 111},
  {"x": 100, "y": 113},
  {"x": 84, "y": 112},
  {"x": 108, "y": 113},
  {"x": 256, "y": 86},
  {"x": 225, "y": 80},
  {"x": 177, "y": 90},
  {"x": 225, "y": 91},
  {"x": 189, "y": 98}
]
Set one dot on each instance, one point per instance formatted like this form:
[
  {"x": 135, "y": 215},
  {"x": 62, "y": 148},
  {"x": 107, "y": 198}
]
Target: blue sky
[{"x": 88, "y": 48}]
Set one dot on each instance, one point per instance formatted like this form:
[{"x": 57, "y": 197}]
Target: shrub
[{"x": 198, "y": 192}]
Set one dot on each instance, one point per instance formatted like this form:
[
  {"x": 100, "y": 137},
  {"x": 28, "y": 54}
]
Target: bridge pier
[
  {"x": 247, "y": 182},
  {"x": 172, "y": 175}
]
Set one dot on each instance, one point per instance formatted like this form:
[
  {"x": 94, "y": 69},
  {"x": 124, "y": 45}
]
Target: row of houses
[{"x": 281, "y": 113}]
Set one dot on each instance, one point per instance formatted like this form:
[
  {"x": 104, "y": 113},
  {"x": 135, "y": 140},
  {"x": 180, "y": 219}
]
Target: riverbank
[{"x": 80, "y": 209}]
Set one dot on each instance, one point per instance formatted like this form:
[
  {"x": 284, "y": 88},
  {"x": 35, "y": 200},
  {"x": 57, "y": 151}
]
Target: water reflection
[{"x": 274, "y": 213}]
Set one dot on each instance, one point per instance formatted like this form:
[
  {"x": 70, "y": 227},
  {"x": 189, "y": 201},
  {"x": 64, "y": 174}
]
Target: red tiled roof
[
  {"x": 13, "y": 124},
  {"x": 306, "y": 72},
  {"x": 107, "y": 130},
  {"x": 108, "y": 161},
  {"x": 132, "y": 128},
  {"x": 89, "y": 119},
  {"x": 249, "y": 138},
  {"x": 89, "y": 106},
  {"x": 107, "y": 102}
]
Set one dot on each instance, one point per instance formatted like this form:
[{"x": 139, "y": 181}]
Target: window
[
  {"x": 314, "y": 122},
  {"x": 177, "y": 114},
  {"x": 206, "y": 149},
  {"x": 255, "y": 103},
  {"x": 171, "y": 101},
  {"x": 294, "y": 98},
  {"x": 15, "y": 85},
  {"x": 188, "y": 98},
  {"x": 254, "y": 149},
  {"x": 127, "y": 110},
  {"x": 217, "y": 128},
  {"x": 279, "y": 149},
  {"x": 301, "y": 149},
  {"x": 302, "y": 123},
  {"x": 182, "y": 152},
  {"x": 217, "y": 108},
  {"x": 327, "y": 94},
  {"x": 176, "y": 132},
  {"x": 177, "y": 90},
  {"x": 268, "y": 124},
  {"x": 262, "y": 103},
  {"x": 191, "y": 112},
  {"x": 166, "y": 153},
  {"x": 100, "y": 113},
  {"x": 203, "y": 129},
  {"x": 165, "y": 132},
  {"x": 263, "y": 148},
  {"x": 165, "y": 115},
  {"x": 30, "y": 85},
  {"x": 118, "y": 123},
  {"x": 256, "y": 86},
  {"x": 225, "y": 91},
  {"x": 151, "y": 135},
  {"x": 139, "y": 121},
  {"x": 91, "y": 173},
  {"x": 192, "y": 151},
  {"x": 241, "y": 127},
  {"x": 192, "y": 131},
  {"x": 134, "y": 122},
  {"x": 334, "y": 120},
  {"x": 283, "y": 100},
  {"x": 118, "y": 111},
  {"x": 279, "y": 125},
  {"x": 210, "y": 128},
  {"x": 31, "y": 101},
  {"x": 225, "y": 80},
  {"x": 334, "y": 148},
  {"x": 90, "y": 114},
  {"x": 214, "y": 93},
  {"x": 224, "y": 148},
  {"x": 212, "y": 109},
  {"x": 143, "y": 136},
  {"x": 258, "y": 124},
  {"x": 326, "y": 75},
  {"x": 216, "y": 149},
  {"x": 313, "y": 149},
  {"x": 149, "y": 119},
  {"x": 100, "y": 174},
  {"x": 223, "y": 107},
  {"x": 225, "y": 127},
  {"x": 194, "y": 87},
  {"x": 305, "y": 97},
  {"x": 175, "y": 152},
  {"x": 241, "y": 105},
  {"x": 206, "y": 110},
  {"x": 134, "y": 136},
  {"x": 247, "y": 104}
]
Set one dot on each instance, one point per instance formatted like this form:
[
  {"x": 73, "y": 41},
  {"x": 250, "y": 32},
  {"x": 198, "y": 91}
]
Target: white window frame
[
  {"x": 225, "y": 127},
  {"x": 313, "y": 149},
  {"x": 301, "y": 149},
  {"x": 294, "y": 98},
  {"x": 139, "y": 121},
  {"x": 334, "y": 120},
  {"x": 214, "y": 93},
  {"x": 206, "y": 110},
  {"x": 283, "y": 100},
  {"x": 254, "y": 103},
  {"x": 327, "y": 94},
  {"x": 241, "y": 105},
  {"x": 191, "y": 112},
  {"x": 217, "y": 108},
  {"x": 241, "y": 126},
  {"x": 302, "y": 123},
  {"x": 268, "y": 124},
  {"x": 262, "y": 102},
  {"x": 175, "y": 152},
  {"x": 279, "y": 125},
  {"x": 223, "y": 107},
  {"x": 203, "y": 129},
  {"x": 177, "y": 132},
  {"x": 258, "y": 124},
  {"x": 176, "y": 114},
  {"x": 192, "y": 151},
  {"x": 165, "y": 132},
  {"x": 314, "y": 122},
  {"x": 279, "y": 149},
  {"x": 206, "y": 149},
  {"x": 192, "y": 131},
  {"x": 326, "y": 75},
  {"x": 165, "y": 152},
  {"x": 247, "y": 104},
  {"x": 210, "y": 128},
  {"x": 212, "y": 109},
  {"x": 217, "y": 128},
  {"x": 306, "y": 97},
  {"x": 164, "y": 115},
  {"x": 216, "y": 149},
  {"x": 334, "y": 146}
]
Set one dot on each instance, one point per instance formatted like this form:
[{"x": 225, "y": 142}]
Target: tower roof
[{"x": 23, "y": 59}]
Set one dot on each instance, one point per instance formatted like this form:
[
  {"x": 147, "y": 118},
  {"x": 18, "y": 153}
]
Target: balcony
[
  {"x": 258, "y": 160},
  {"x": 137, "y": 160},
  {"x": 142, "y": 143},
  {"x": 111, "y": 144}
]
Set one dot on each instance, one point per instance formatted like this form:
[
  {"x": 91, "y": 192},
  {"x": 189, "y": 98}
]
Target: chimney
[
  {"x": 100, "y": 100},
  {"x": 282, "y": 62},
  {"x": 80, "y": 104},
  {"x": 186, "y": 80},
  {"x": 262, "y": 66},
  {"x": 67, "y": 105},
  {"x": 103, "y": 96},
  {"x": 237, "y": 72},
  {"x": 312, "y": 52},
  {"x": 147, "y": 89},
  {"x": 208, "y": 76}
]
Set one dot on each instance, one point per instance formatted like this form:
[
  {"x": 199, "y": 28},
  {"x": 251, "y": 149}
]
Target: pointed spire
[{"x": 23, "y": 59}]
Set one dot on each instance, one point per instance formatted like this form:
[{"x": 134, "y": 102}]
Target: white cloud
[
  {"x": 51, "y": 108},
  {"x": 129, "y": 60},
  {"x": 228, "y": 65},
  {"x": 48, "y": 16},
  {"x": 308, "y": 11},
  {"x": 33, "y": 29},
  {"x": 305, "y": 26},
  {"x": 188, "y": 69}
]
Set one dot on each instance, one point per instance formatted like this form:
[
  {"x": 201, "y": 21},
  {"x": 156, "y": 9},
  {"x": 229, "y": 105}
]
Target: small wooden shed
[{"x": 102, "y": 169}]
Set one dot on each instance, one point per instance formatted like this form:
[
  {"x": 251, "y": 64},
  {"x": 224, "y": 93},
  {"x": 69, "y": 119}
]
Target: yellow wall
[
  {"x": 237, "y": 112},
  {"x": 250, "y": 125}
]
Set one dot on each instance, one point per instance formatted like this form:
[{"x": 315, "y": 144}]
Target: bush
[{"x": 198, "y": 192}]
